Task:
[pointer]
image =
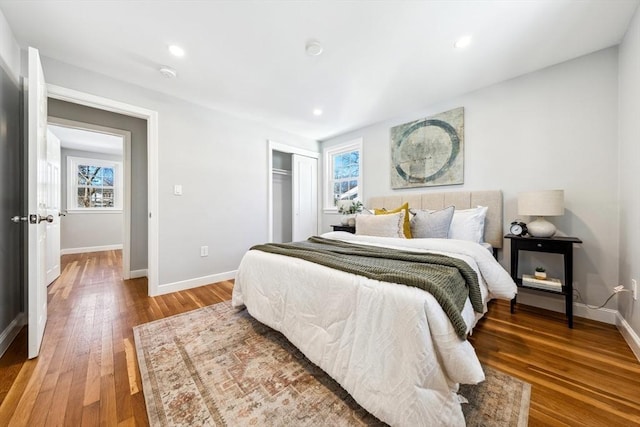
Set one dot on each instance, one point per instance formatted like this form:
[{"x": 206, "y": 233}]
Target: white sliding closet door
[{"x": 305, "y": 197}]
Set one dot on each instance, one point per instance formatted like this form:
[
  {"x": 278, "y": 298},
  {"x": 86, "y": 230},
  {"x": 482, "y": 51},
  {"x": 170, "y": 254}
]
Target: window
[
  {"x": 343, "y": 173},
  {"x": 94, "y": 185}
]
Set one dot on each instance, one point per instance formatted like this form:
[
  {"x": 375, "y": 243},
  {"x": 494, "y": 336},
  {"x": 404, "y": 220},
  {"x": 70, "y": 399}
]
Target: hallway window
[
  {"x": 94, "y": 185},
  {"x": 343, "y": 173}
]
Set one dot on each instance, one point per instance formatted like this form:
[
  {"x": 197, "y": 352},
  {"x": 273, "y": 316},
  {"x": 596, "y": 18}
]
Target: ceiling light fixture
[
  {"x": 462, "y": 42},
  {"x": 169, "y": 73},
  {"x": 313, "y": 48},
  {"x": 317, "y": 112},
  {"x": 176, "y": 50}
]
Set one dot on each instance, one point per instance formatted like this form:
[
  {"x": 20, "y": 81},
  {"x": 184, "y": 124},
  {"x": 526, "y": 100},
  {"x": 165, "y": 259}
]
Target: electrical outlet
[
  {"x": 634, "y": 289},
  {"x": 204, "y": 250}
]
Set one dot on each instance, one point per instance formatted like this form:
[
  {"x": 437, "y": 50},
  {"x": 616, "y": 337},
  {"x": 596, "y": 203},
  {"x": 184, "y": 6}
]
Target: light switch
[{"x": 177, "y": 190}]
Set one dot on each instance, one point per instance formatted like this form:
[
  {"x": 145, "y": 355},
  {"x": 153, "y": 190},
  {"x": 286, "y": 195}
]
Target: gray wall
[
  {"x": 555, "y": 128},
  {"x": 86, "y": 230},
  {"x": 629, "y": 160},
  {"x": 10, "y": 203},
  {"x": 138, "y": 129}
]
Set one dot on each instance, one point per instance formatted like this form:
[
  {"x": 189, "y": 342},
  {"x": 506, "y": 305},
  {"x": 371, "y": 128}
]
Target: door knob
[{"x": 37, "y": 219}]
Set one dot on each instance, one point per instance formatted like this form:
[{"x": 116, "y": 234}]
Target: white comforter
[{"x": 390, "y": 346}]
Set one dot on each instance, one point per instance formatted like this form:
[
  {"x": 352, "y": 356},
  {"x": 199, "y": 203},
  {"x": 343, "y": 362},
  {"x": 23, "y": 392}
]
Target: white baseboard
[
  {"x": 605, "y": 315},
  {"x": 134, "y": 274},
  {"x": 9, "y": 334},
  {"x": 194, "y": 283},
  {"x": 90, "y": 249},
  {"x": 629, "y": 335}
]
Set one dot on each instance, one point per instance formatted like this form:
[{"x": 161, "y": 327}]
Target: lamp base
[{"x": 540, "y": 227}]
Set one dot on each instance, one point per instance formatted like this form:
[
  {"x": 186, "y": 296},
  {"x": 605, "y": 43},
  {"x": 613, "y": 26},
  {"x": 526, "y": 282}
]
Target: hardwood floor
[
  {"x": 586, "y": 376},
  {"x": 87, "y": 372}
]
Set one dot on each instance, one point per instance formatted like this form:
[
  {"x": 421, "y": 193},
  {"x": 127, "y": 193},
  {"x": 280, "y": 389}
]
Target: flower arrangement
[{"x": 349, "y": 207}]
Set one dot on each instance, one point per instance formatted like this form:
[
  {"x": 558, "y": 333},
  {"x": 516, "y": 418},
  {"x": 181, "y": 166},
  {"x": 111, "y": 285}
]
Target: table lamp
[{"x": 541, "y": 204}]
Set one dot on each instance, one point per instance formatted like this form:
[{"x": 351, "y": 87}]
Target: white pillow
[
  {"x": 468, "y": 224},
  {"x": 390, "y": 225}
]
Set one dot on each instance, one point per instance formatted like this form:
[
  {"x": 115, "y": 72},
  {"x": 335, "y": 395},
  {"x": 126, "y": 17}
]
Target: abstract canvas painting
[{"x": 428, "y": 152}]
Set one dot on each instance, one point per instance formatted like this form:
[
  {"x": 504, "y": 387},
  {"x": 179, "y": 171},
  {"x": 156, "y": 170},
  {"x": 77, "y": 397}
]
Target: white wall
[
  {"x": 9, "y": 50},
  {"x": 80, "y": 230},
  {"x": 629, "y": 166},
  {"x": 555, "y": 128},
  {"x": 221, "y": 162}
]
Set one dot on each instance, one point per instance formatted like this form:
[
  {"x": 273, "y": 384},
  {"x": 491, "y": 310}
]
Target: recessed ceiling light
[
  {"x": 313, "y": 48},
  {"x": 462, "y": 42},
  {"x": 317, "y": 112},
  {"x": 176, "y": 50},
  {"x": 169, "y": 73}
]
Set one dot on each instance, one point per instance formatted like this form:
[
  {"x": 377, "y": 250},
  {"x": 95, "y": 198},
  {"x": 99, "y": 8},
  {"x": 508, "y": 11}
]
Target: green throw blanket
[{"x": 449, "y": 280}]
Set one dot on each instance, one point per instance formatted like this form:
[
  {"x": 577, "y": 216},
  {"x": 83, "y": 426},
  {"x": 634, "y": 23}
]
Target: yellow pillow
[{"x": 407, "y": 221}]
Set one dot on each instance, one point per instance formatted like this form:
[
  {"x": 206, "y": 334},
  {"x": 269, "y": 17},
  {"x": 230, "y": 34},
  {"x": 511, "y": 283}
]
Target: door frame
[
  {"x": 126, "y": 161},
  {"x": 151, "y": 116},
  {"x": 276, "y": 146}
]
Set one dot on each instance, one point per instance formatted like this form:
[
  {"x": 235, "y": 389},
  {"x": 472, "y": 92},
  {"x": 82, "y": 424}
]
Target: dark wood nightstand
[
  {"x": 556, "y": 245},
  {"x": 347, "y": 228}
]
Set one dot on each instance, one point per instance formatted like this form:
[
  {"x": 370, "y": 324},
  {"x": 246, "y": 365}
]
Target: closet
[
  {"x": 293, "y": 194},
  {"x": 282, "y": 197}
]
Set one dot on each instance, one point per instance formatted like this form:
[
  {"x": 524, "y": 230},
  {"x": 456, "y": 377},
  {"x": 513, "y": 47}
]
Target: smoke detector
[
  {"x": 313, "y": 48},
  {"x": 168, "y": 72}
]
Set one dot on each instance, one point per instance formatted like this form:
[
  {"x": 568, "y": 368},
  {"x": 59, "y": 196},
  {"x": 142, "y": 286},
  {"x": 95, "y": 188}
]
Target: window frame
[
  {"x": 327, "y": 154},
  {"x": 72, "y": 184}
]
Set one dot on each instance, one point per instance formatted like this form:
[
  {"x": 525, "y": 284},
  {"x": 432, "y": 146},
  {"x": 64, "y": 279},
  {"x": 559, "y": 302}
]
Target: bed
[{"x": 390, "y": 346}]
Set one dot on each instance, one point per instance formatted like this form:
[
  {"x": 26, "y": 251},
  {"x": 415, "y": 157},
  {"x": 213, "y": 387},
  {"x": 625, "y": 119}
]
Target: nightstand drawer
[{"x": 347, "y": 228}]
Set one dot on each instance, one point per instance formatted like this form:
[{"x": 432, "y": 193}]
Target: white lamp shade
[{"x": 541, "y": 203}]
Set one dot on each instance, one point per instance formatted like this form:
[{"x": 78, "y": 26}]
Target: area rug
[{"x": 218, "y": 366}]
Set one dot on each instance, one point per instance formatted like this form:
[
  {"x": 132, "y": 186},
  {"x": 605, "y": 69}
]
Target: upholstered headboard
[{"x": 493, "y": 231}]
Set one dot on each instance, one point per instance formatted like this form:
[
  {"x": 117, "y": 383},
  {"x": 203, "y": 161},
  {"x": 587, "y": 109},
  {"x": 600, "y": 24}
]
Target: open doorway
[
  {"x": 95, "y": 184},
  {"x": 135, "y": 214}
]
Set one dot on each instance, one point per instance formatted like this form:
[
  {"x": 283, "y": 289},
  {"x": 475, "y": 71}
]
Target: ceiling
[
  {"x": 381, "y": 59},
  {"x": 85, "y": 140}
]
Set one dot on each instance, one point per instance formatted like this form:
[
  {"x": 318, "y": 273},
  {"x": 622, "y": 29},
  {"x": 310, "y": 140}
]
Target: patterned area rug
[{"x": 218, "y": 366}]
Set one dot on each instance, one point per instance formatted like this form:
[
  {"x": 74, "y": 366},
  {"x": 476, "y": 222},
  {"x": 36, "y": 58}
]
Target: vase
[{"x": 345, "y": 219}]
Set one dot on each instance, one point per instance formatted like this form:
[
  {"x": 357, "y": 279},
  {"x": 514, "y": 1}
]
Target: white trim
[
  {"x": 352, "y": 145},
  {"x": 86, "y": 249},
  {"x": 138, "y": 273},
  {"x": 629, "y": 335},
  {"x": 605, "y": 315},
  {"x": 276, "y": 146},
  {"x": 10, "y": 332},
  {"x": 151, "y": 117},
  {"x": 168, "y": 288}
]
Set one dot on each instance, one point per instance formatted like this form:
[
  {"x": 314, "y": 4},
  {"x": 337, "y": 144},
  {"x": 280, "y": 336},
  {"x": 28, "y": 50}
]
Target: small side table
[
  {"x": 347, "y": 228},
  {"x": 556, "y": 245}
]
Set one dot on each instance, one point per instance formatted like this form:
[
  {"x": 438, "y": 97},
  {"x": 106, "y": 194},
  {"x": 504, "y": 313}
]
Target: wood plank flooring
[{"x": 87, "y": 373}]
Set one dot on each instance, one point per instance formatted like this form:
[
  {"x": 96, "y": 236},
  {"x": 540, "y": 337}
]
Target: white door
[
  {"x": 305, "y": 197},
  {"x": 37, "y": 234},
  {"x": 53, "y": 201}
]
